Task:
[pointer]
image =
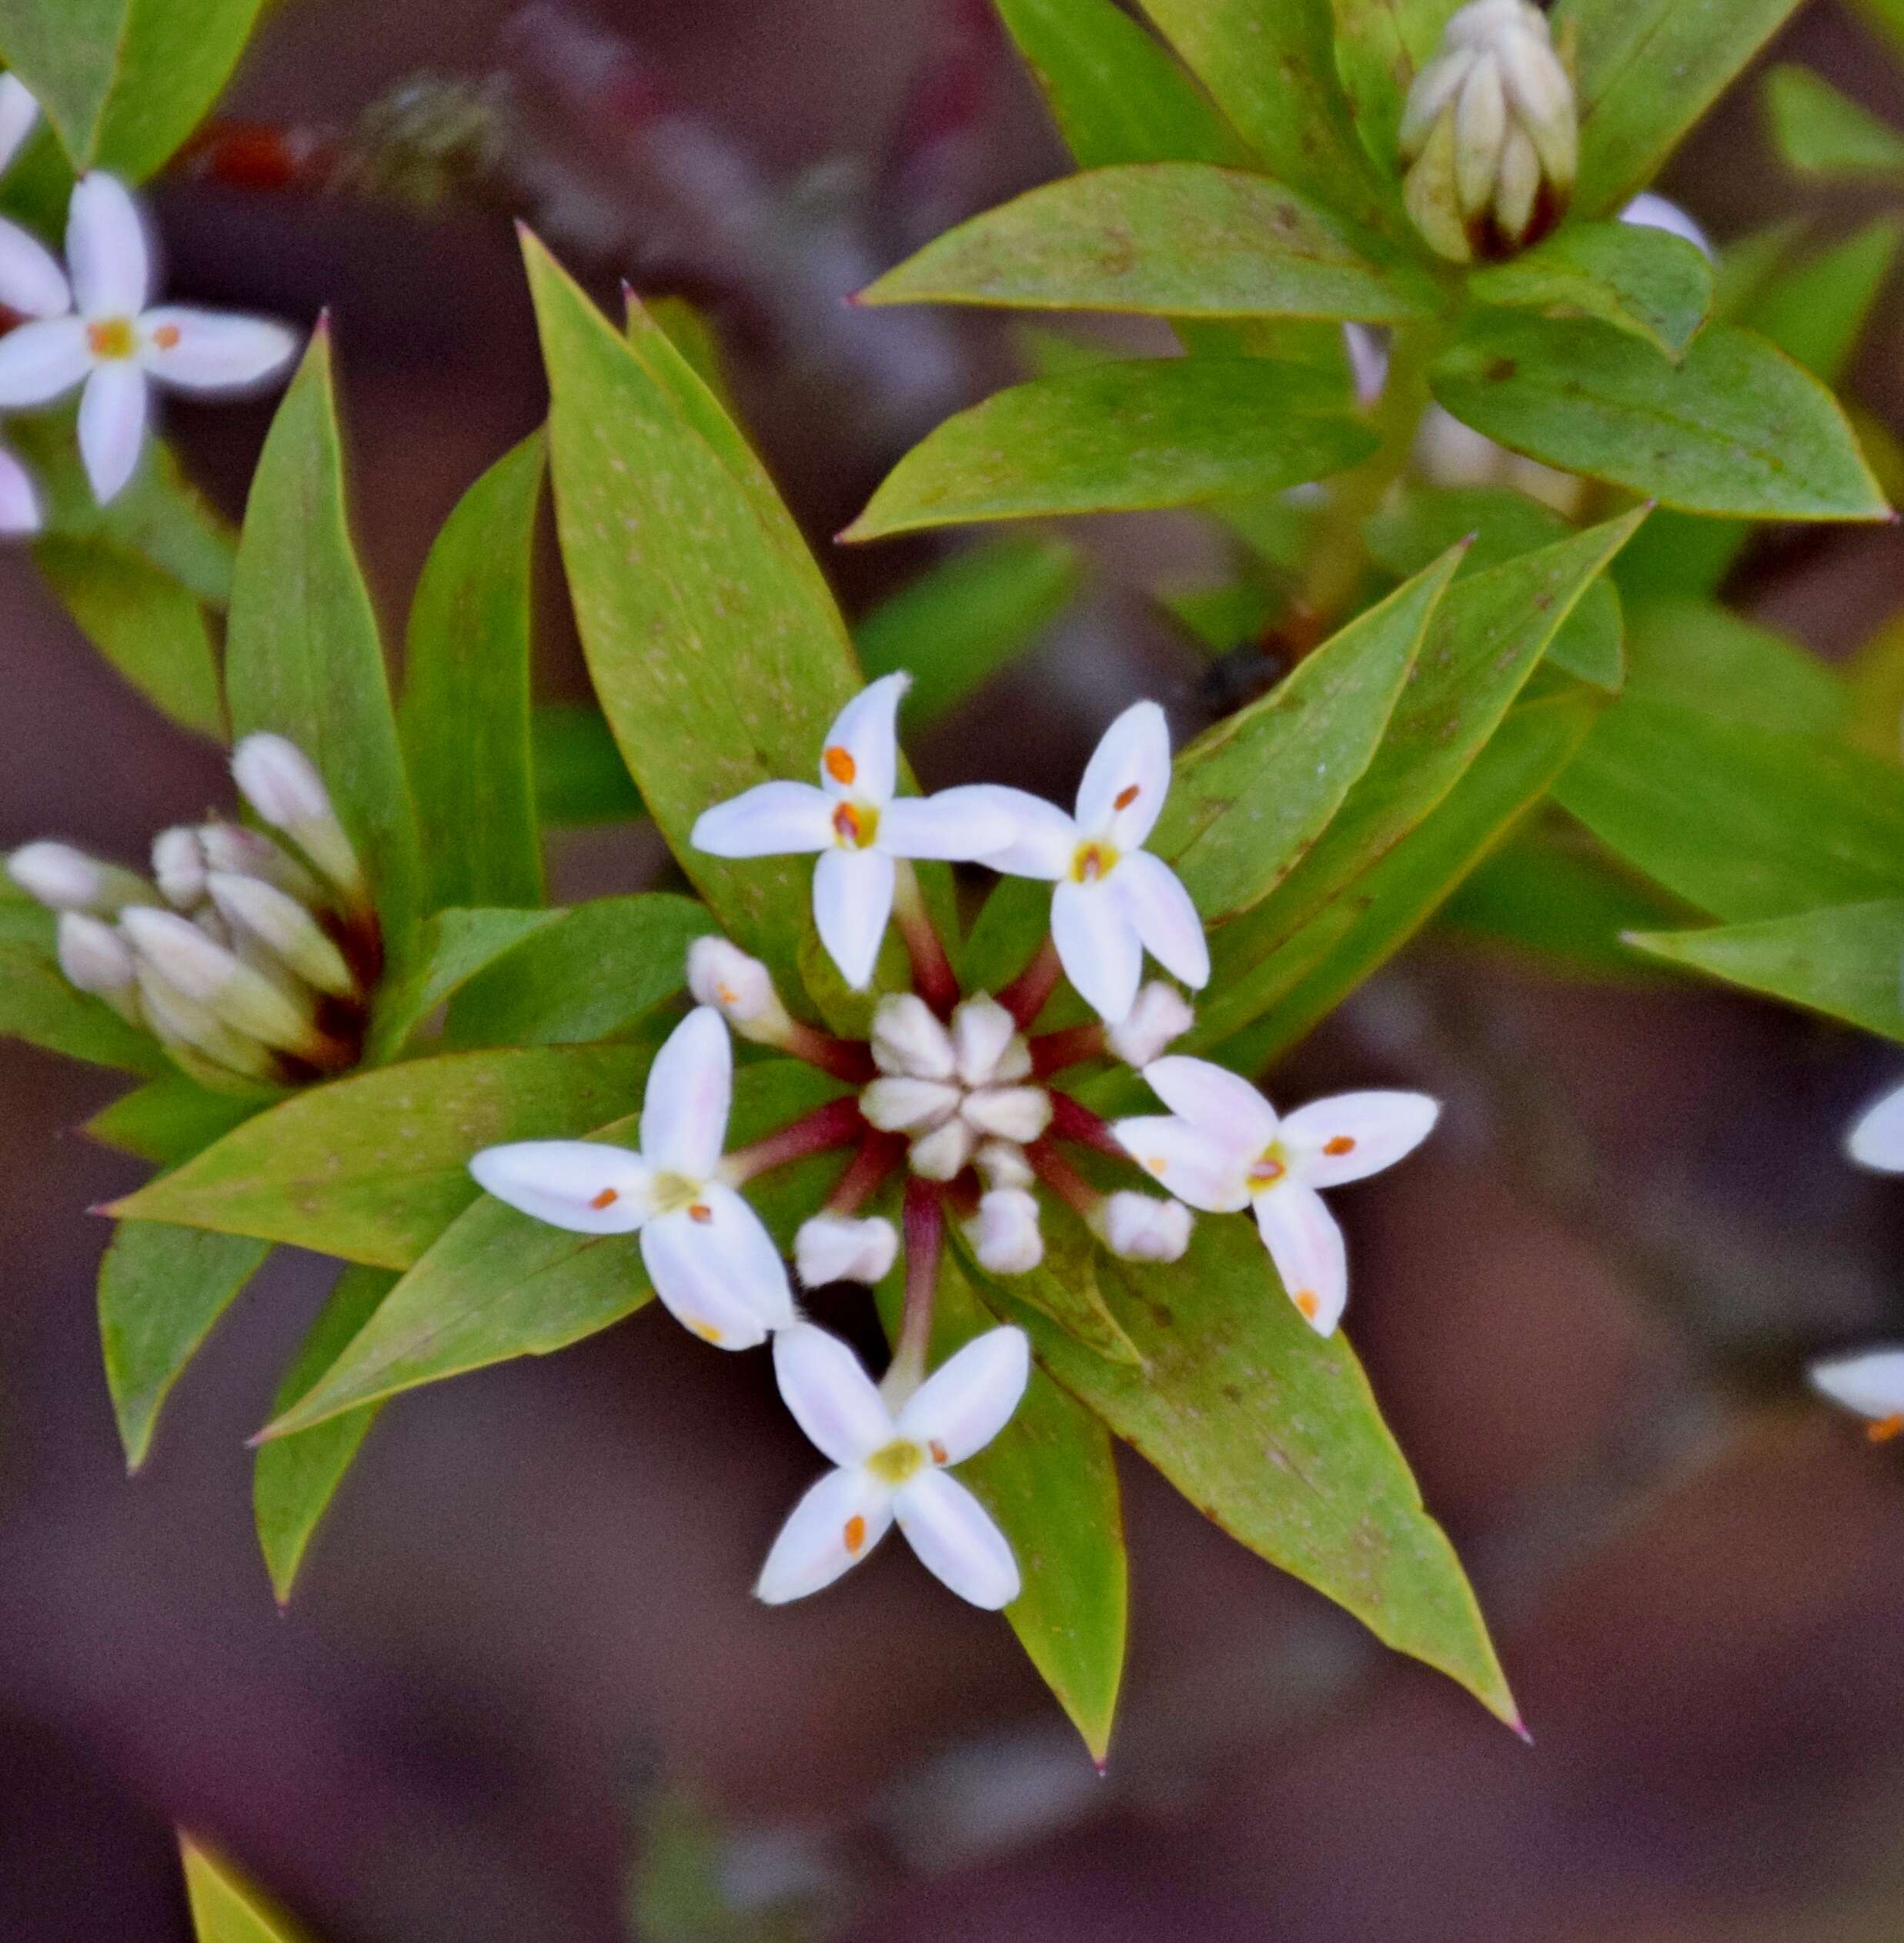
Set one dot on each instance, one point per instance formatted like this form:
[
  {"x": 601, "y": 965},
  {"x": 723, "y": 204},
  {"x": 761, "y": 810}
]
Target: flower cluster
[
  {"x": 953, "y": 1105},
  {"x": 249, "y": 960},
  {"x": 91, "y": 325}
]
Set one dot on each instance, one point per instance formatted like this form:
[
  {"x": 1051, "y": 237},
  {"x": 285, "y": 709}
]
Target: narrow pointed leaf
[
  {"x": 580, "y": 777},
  {"x": 452, "y": 947},
  {"x": 1064, "y": 1286},
  {"x": 168, "y": 1120},
  {"x": 1654, "y": 286},
  {"x": 1821, "y": 132},
  {"x": 1701, "y": 655},
  {"x": 225, "y": 1908}
]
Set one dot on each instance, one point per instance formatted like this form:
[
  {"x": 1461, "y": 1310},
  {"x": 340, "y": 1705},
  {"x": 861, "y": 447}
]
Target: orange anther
[
  {"x": 701, "y": 1212},
  {"x": 840, "y": 765},
  {"x": 1342, "y": 1143},
  {"x": 855, "y": 1533},
  {"x": 166, "y": 337},
  {"x": 606, "y": 1198},
  {"x": 1307, "y": 1303},
  {"x": 726, "y": 995},
  {"x": 938, "y": 1449},
  {"x": 1126, "y": 796},
  {"x": 846, "y": 824},
  {"x": 1884, "y": 1429}
]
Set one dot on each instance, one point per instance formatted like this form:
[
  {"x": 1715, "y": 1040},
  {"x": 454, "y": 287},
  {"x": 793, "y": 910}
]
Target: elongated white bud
[
  {"x": 179, "y": 866},
  {"x": 1139, "y": 1227},
  {"x": 741, "y": 989},
  {"x": 208, "y": 975},
  {"x": 1019, "y": 1114},
  {"x": 1000, "y": 1163},
  {"x": 897, "y": 1105},
  {"x": 181, "y": 1021},
  {"x": 908, "y": 1040},
  {"x": 64, "y": 879},
  {"x": 940, "y": 1154},
  {"x": 243, "y": 853},
  {"x": 834, "y": 1248},
  {"x": 281, "y": 784},
  {"x": 251, "y": 906},
  {"x": 1161, "y": 1014},
  {"x": 1004, "y": 1234},
  {"x": 987, "y": 1043},
  {"x": 96, "y": 959}
]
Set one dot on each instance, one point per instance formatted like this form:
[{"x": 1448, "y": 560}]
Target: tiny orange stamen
[
  {"x": 166, "y": 337},
  {"x": 855, "y": 1533},
  {"x": 701, "y": 1212},
  {"x": 726, "y": 995},
  {"x": 1307, "y": 1303},
  {"x": 1342, "y": 1143},
  {"x": 840, "y": 765},
  {"x": 1884, "y": 1429},
  {"x": 606, "y": 1198},
  {"x": 111, "y": 338},
  {"x": 1125, "y": 797},
  {"x": 938, "y": 1449},
  {"x": 846, "y": 824}
]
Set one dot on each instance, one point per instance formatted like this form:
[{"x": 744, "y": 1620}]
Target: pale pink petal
[
  {"x": 770, "y": 819},
  {"x": 1215, "y": 1101},
  {"x": 853, "y": 900},
  {"x": 1876, "y": 1140},
  {"x": 1356, "y": 1134},
  {"x": 956, "y": 1539},
  {"x": 860, "y": 758},
  {"x": 1165, "y": 918},
  {"x": 112, "y": 413},
  {"x": 18, "y": 112},
  {"x": 963, "y": 826},
  {"x": 31, "y": 280},
  {"x": 39, "y": 362},
  {"x": 19, "y": 500},
  {"x": 1043, "y": 841},
  {"x": 969, "y": 1399},
  {"x": 1194, "y": 1167},
  {"x": 1127, "y": 778},
  {"x": 832, "y": 1398},
  {"x": 690, "y": 1086},
  {"x": 211, "y": 350},
  {"x": 106, "y": 249},
  {"x": 710, "y": 1274},
  {"x": 1098, "y": 946},
  {"x": 1306, "y": 1246},
  {"x": 580, "y": 1185},
  {"x": 834, "y": 1526}
]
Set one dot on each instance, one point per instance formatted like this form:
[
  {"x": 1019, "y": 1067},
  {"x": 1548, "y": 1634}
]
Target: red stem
[
  {"x": 830, "y": 1126},
  {"x": 1056, "y": 1050},
  {"x": 933, "y": 977},
  {"x": 850, "y": 1059},
  {"x": 1063, "y": 1179},
  {"x": 879, "y": 1154},
  {"x": 923, "y": 1223},
  {"x": 1027, "y": 994},
  {"x": 1072, "y": 1122}
]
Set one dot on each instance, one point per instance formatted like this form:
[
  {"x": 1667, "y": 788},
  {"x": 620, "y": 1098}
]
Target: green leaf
[
  {"x": 225, "y": 1908},
  {"x": 1064, "y": 1286},
  {"x": 1115, "y": 93},
  {"x": 1820, "y": 132},
  {"x": 718, "y": 656},
  {"x": 1646, "y": 70},
  {"x": 1657, "y": 287},
  {"x": 497, "y": 1283},
  {"x": 124, "y": 81},
  {"x": 38, "y": 1005},
  {"x": 1271, "y": 1430},
  {"x": 1843, "y": 961},
  {"x": 1162, "y": 238},
  {"x": 151, "y": 629},
  {"x": 1380, "y": 45},
  {"x": 161, "y": 1289},
  {"x": 1738, "y": 428},
  {"x": 1701, "y": 655},
  {"x": 599, "y": 972},
  {"x": 302, "y": 656},
  {"x": 1122, "y": 437},
  {"x": 580, "y": 777},
  {"x": 295, "y": 1478},
  {"x": 373, "y": 1167},
  {"x": 1886, "y": 16},
  {"x": 963, "y": 620},
  {"x": 1743, "y": 822},
  {"x": 169, "y": 1120},
  {"x": 465, "y": 715},
  {"x": 453, "y": 947},
  {"x": 1249, "y": 796}
]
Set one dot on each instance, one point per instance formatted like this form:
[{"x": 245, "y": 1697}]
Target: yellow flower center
[
  {"x": 1267, "y": 1168},
  {"x": 111, "y": 337},
  {"x": 897, "y": 1461},
  {"x": 855, "y": 825},
  {"x": 672, "y": 1193},
  {"x": 1092, "y": 863}
]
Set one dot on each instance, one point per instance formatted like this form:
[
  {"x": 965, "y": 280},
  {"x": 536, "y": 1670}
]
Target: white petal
[
  {"x": 837, "y": 1248},
  {"x": 107, "y": 250},
  {"x": 1194, "y": 1167},
  {"x": 18, "y": 112},
  {"x": 1481, "y": 128},
  {"x": 835, "y": 1525},
  {"x": 212, "y": 350},
  {"x": 982, "y": 1028},
  {"x": 770, "y": 819},
  {"x": 31, "y": 280},
  {"x": 1871, "y": 1383},
  {"x": 969, "y": 1399},
  {"x": 956, "y": 1541},
  {"x": 1044, "y": 838},
  {"x": 1166, "y": 920},
  {"x": 1648, "y": 211},
  {"x": 1306, "y": 1246},
  {"x": 898, "y": 1103},
  {"x": 831, "y": 1397},
  {"x": 690, "y": 1087},
  {"x": 1019, "y": 1114},
  {"x": 112, "y": 411},
  {"x": 860, "y": 756},
  {"x": 853, "y": 900},
  {"x": 963, "y": 825},
  {"x": 19, "y": 500},
  {"x": 1098, "y": 946},
  {"x": 1357, "y": 1134},
  {"x": 579, "y": 1185},
  {"x": 1877, "y": 1139},
  {"x": 941, "y": 1154},
  {"x": 910, "y": 1039},
  {"x": 1127, "y": 778},
  {"x": 1004, "y": 1233},
  {"x": 716, "y": 1268},
  {"x": 38, "y": 362},
  {"x": 1216, "y": 1101},
  {"x": 1435, "y": 86}
]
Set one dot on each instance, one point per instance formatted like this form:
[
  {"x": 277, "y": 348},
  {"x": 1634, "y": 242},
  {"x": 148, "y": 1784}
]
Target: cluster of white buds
[
  {"x": 250, "y": 962},
  {"x": 1491, "y": 134}
]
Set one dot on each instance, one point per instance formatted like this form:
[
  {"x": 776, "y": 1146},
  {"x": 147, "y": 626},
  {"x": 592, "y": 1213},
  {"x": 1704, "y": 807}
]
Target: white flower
[
  {"x": 64, "y": 879},
  {"x": 710, "y": 1257},
  {"x": 1161, "y": 1013},
  {"x": 1871, "y": 1383},
  {"x": 891, "y": 1465},
  {"x": 1876, "y": 1139},
  {"x": 18, "y": 113},
  {"x": 1648, "y": 211},
  {"x": 1114, "y": 900},
  {"x": 1139, "y": 1227},
  {"x": 1226, "y": 1150},
  {"x": 857, "y": 825},
  {"x": 1004, "y": 1233},
  {"x": 102, "y": 331},
  {"x": 837, "y": 1248}
]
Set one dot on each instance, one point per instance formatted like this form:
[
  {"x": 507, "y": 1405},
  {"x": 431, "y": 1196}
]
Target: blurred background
[{"x": 521, "y": 1693}]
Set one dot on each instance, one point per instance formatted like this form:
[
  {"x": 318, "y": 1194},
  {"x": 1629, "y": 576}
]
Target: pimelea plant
[{"x": 1481, "y": 422}]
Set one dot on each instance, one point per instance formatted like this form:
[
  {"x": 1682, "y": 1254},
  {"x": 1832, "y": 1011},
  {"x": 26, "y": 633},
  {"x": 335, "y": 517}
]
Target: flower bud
[
  {"x": 179, "y": 866},
  {"x": 741, "y": 989},
  {"x": 96, "y": 959},
  {"x": 1001, "y": 1163},
  {"x": 835, "y": 1248},
  {"x": 1491, "y": 134},
  {"x": 64, "y": 879},
  {"x": 942, "y": 1154},
  {"x": 281, "y": 784},
  {"x": 1161, "y": 1013},
  {"x": 908, "y": 1039},
  {"x": 897, "y": 1105},
  {"x": 1004, "y": 1233},
  {"x": 182, "y": 1023},
  {"x": 208, "y": 975},
  {"x": 243, "y": 853},
  {"x": 987, "y": 1044},
  {"x": 1019, "y": 1114},
  {"x": 1139, "y": 1227},
  {"x": 251, "y": 906}
]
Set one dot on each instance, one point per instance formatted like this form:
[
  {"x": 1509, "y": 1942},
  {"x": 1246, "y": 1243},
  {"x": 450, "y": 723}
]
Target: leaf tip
[
  {"x": 1519, "y": 1728},
  {"x": 111, "y": 1210}
]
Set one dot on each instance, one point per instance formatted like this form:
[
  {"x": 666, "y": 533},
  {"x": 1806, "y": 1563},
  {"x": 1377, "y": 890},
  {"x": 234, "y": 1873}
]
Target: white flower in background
[
  {"x": 1140, "y": 1227},
  {"x": 891, "y": 1465},
  {"x": 1870, "y": 1383},
  {"x": 857, "y": 825},
  {"x": 103, "y": 331},
  {"x": 837, "y": 1248},
  {"x": 709, "y": 1255},
  {"x": 1876, "y": 1139},
  {"x": 1113, "y": 899},
  {"x": 1161, "y": 1014},
  {"x": 1648, "y": 211},
  {"x": 1226, "y": 1149},
  {"x": 19, "y": 112}
]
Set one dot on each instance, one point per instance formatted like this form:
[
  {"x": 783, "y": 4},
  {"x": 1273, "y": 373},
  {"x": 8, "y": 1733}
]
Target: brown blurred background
[{"x": 521, "y": 1691}]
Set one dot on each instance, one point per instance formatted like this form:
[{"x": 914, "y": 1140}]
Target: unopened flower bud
[
  {"x": 942, "y": 1154},
  {"x": 836, "y": 1248},
  {"x": 64, "y": 879},
  {"x": 1491, "y": 134},
  {"x": 1001, "y": 1163},
  {"x": 182, "y": 1022},
  {"x": 1019, "y": 1114},
  {"x": 179, "y": 866},
  {"x": 1139, "y": 1227},
  {"x": 908, "y": 1039},
  {"x": 208, "y": 974},
  {"x": 281, "y": 923},
  {"x": 281, "y": 784},
  {"x": 987, "y": 1044},
  {"x": 243, "y": 853},
  {"x": 740, "y": 989},
  {"x": 1004, "y": 1233},
  {"x": 96, "y": 959},
  {"x": 1161, "y": 1014}
]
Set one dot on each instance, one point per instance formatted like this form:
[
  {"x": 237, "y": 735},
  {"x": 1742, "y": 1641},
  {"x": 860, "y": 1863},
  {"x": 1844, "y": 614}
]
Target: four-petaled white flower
[
  {"x": 102, "y": 331},
  {"x": 1226, "y": 1150},
  {"x": 709, "y": 1255},
  {"x": 857, "y": 825},
  {"x": 1869, "y": 1383},
  {"x": 1114, "y": 900},
  {"x": 891, "y": 1465}
]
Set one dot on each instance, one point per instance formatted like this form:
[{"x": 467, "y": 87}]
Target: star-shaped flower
[
  {"x": 710, "y": 1257},
  {"x": 858, "y": 826},
  {"x": 891, "y": 1465},
  {"x": 1114, "y": 900},
  {"x": 1226, "y": 1149}
]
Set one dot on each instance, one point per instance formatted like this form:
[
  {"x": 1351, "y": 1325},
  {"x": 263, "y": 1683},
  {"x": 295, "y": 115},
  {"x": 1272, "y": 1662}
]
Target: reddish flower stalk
[
  {"x": 923, "y": 1226},
  {"x": 1056, "y": 1050},
  {"x": 1063, "y": 1179},
  {"x": 849, "y": 1059},
  {"x": 933, "y": 977},
  {"x": 1026, "y": 996},
  {"x": 879, "y": 1154},
  {"x": 830, "y": 1126},
  {"x": 1072, "y": 1122}
]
